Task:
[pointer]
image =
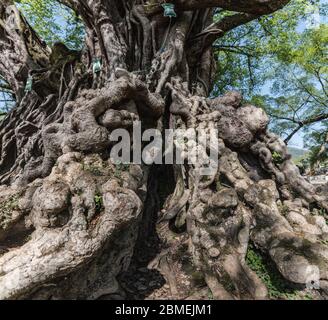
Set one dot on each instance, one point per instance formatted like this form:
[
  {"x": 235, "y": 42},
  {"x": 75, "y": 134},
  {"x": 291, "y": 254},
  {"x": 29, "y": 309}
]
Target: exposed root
[
  {"x": 78, "y": 215},
  {"x": 237, "y": 205}
]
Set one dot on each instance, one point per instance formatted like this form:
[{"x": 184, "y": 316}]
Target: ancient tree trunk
[{"x": 70, "y": 218}]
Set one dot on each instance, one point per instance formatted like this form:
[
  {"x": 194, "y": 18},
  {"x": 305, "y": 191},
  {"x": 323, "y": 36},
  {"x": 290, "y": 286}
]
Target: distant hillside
[{"x": 297, "y": 152}]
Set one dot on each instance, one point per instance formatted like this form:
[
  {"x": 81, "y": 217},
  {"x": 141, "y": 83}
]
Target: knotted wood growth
[{"x": 70, "y": 217}]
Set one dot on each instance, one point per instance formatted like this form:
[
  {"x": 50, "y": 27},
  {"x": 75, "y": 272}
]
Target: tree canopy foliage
[
  {"x": 53, "y": 22},
  {"x": 280, "y": 63}
]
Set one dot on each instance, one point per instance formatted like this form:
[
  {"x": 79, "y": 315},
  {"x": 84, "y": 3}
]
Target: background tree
[
  {"x": 279, "y": 62},
  {"x": 71, "y": 219},
  {"x": 54, "y": 22}
]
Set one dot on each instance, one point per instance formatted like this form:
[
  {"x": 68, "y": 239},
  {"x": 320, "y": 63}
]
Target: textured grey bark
[{"x": 70, "y": 218}]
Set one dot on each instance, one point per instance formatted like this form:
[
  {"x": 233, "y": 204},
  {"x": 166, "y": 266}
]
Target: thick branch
[
  {"x": 218, "y": 29},
  {"x": 301, "y": 123},
  {"x": 291, "y": 135},
  {"x": 258, "y": 7}
]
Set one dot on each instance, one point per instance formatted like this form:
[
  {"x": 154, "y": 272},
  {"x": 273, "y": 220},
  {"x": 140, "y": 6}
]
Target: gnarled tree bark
[{"x": 70, "y": 217}]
